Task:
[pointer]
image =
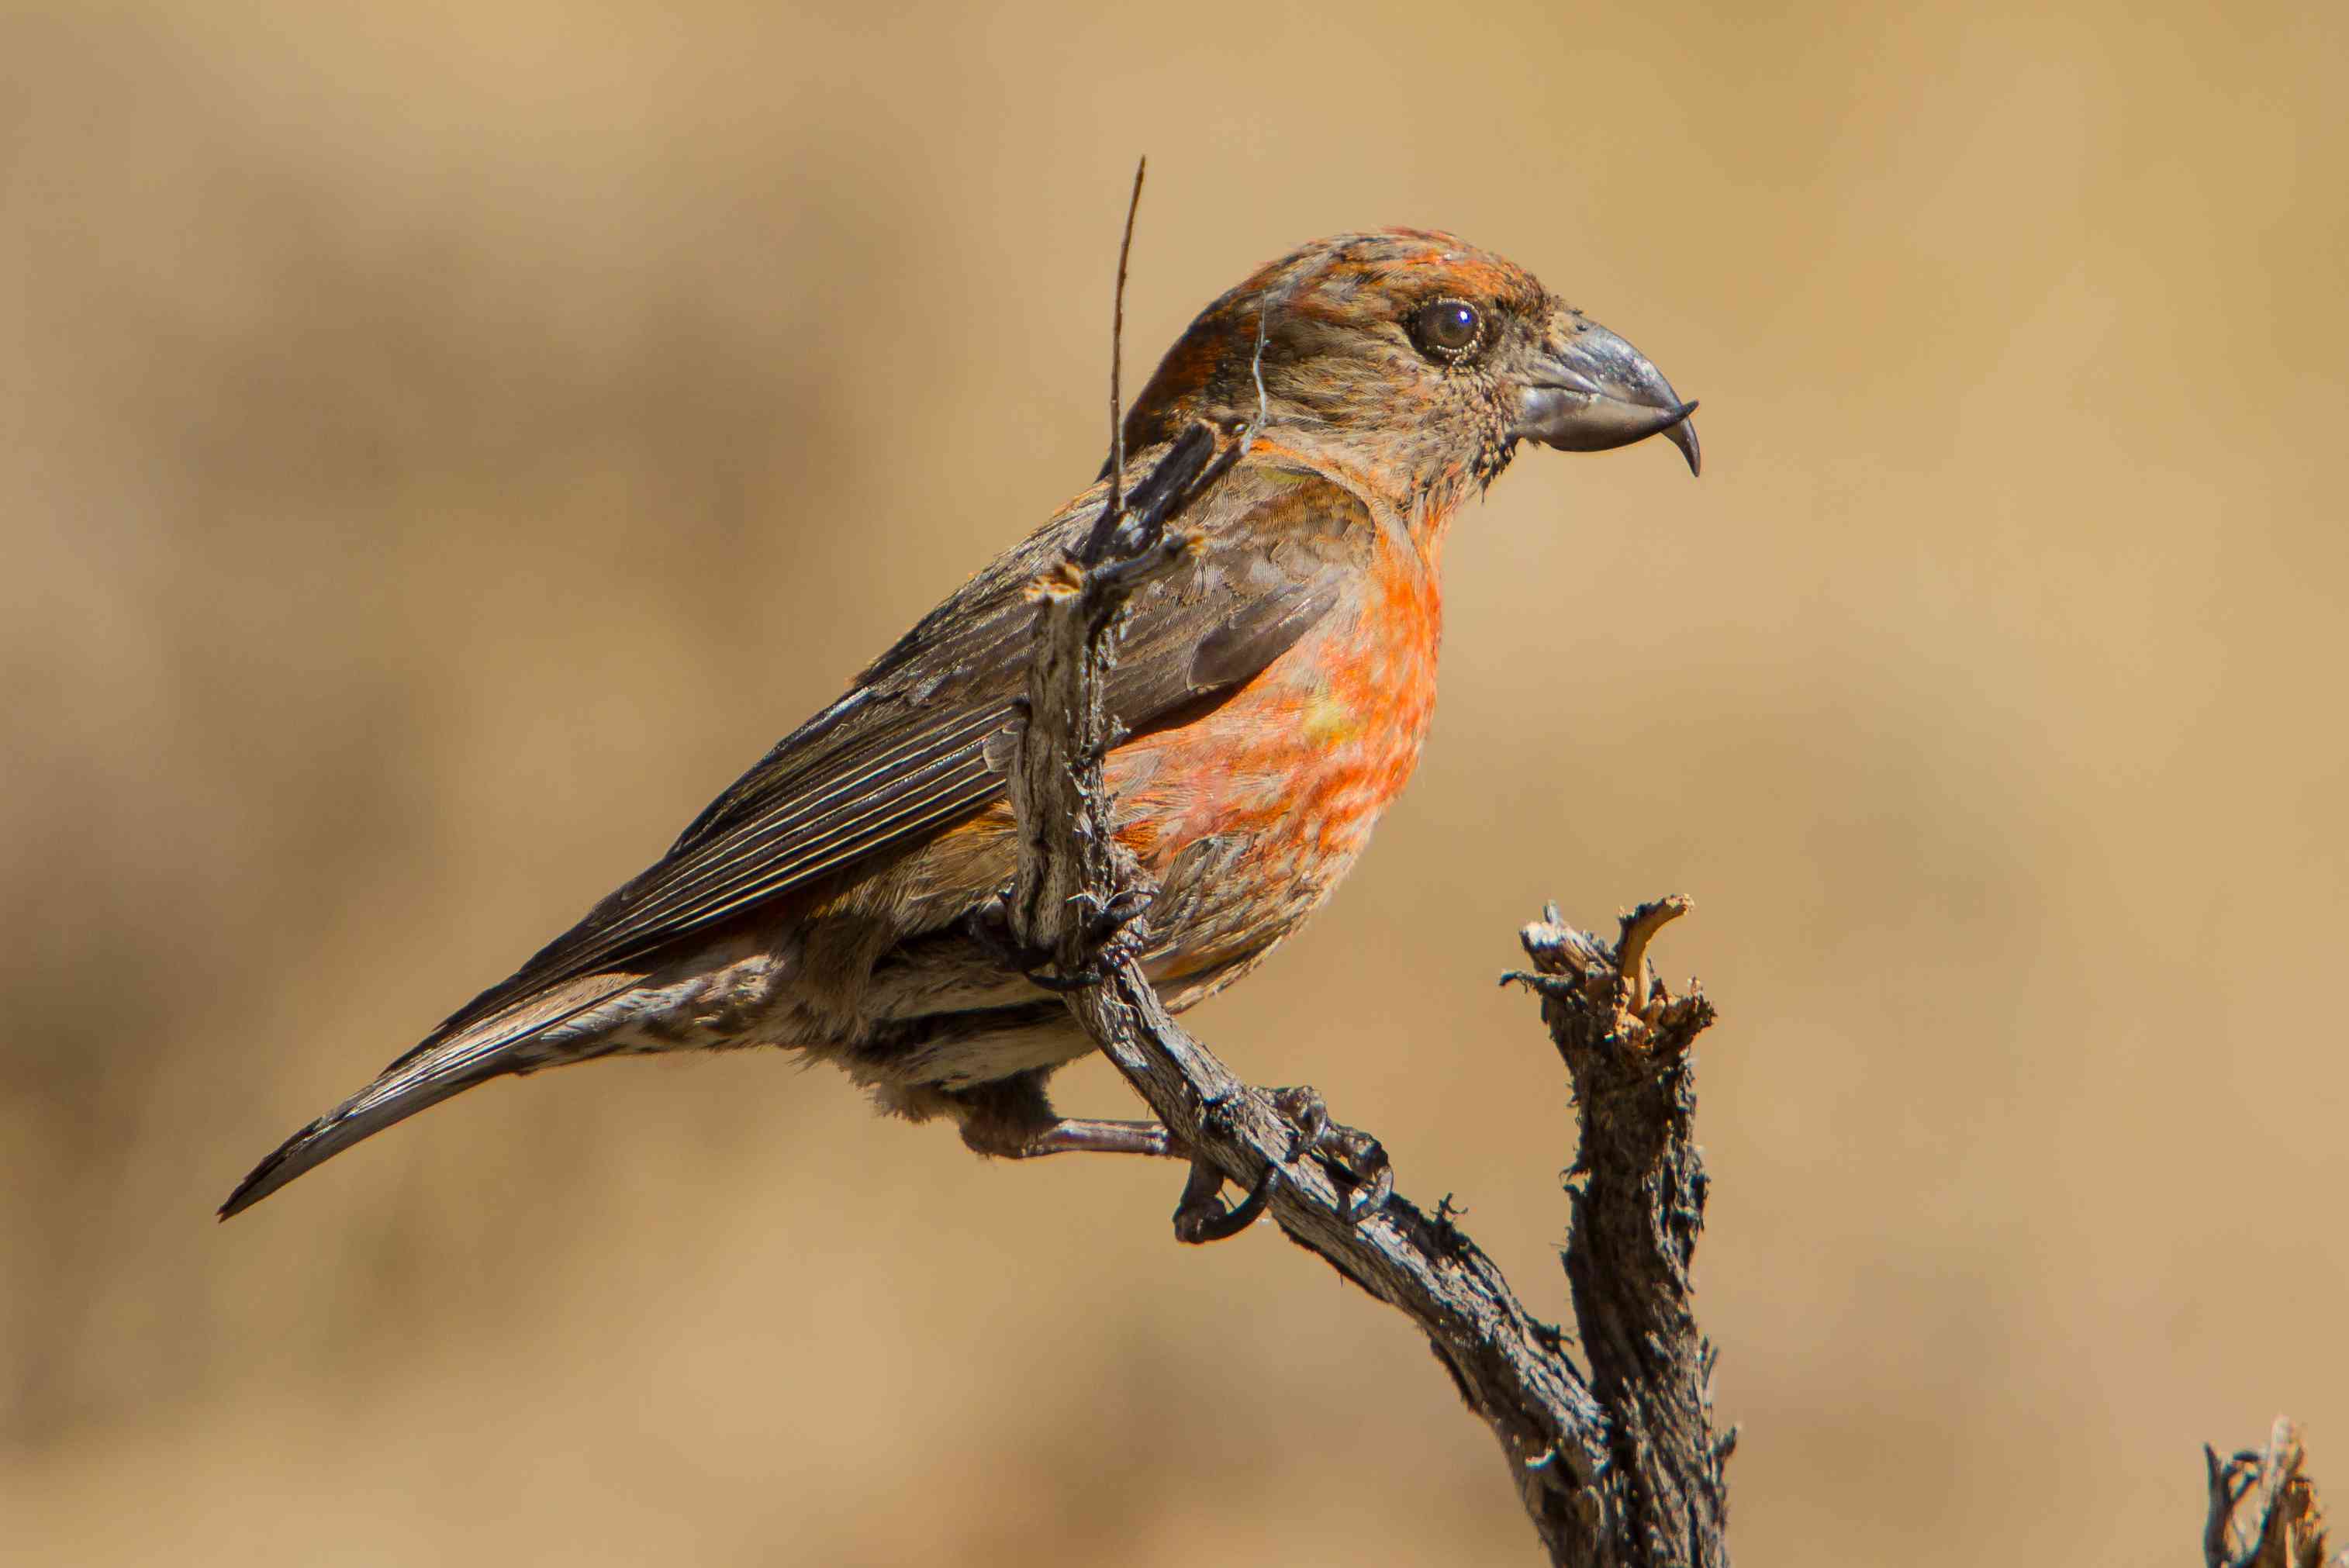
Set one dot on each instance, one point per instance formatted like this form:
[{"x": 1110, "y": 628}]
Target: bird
[{"x": 1272, "y": 694}]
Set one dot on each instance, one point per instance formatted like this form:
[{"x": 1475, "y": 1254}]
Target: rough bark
[
  {"x": 2263, "y": 1508},
  {"x": 1616, "y": 1463}
]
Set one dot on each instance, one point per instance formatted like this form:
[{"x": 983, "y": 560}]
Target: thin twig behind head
[{"x": 1117, "y": 353}]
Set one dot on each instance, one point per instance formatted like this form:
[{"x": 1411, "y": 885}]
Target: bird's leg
[
  {"x": 1013, "y": 1119},
  {"x": 1356, "y": 1161},
  {"x": 1075, "y": 1134},
  {"x": 1199, "y": 1217}
]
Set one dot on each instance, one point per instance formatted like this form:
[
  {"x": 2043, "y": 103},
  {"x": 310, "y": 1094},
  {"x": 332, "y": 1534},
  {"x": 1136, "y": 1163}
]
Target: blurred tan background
[{"x": 440, "y": 446}]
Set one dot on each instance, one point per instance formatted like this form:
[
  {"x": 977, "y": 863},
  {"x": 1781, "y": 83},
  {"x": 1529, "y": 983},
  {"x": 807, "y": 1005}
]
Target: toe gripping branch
[
  {"x": 1201, "y": 1217},
  {"x": 1356, "y": 1161},
  {"x": 1116, "y": 929}
]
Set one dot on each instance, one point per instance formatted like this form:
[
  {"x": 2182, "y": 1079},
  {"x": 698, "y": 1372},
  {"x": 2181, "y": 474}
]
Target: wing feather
[{"x": 906, "y": 753}]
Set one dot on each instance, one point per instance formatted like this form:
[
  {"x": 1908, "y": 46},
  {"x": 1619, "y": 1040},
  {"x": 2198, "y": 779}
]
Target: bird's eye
[{"x": 1447, "y": 329}]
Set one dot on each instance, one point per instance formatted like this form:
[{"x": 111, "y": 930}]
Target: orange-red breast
[{"x": 1276, "y": 690}]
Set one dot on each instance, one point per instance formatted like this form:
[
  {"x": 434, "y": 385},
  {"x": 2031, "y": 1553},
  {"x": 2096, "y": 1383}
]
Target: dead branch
[
  {"x": 1617, "y": 1464},
  {"x": 2263, "y": 1508}
]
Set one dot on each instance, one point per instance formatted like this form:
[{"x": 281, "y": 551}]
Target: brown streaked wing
[{"x": 906, "y": 754}]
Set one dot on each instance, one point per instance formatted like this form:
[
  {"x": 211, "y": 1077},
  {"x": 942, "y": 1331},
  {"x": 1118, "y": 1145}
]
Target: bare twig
[
  {"x": 2263, "y": 1508},
  {"x": 1639, "y": 927},
  {"x": 1117, "y": 356},
  {"x": 1617, "y": 1465}
]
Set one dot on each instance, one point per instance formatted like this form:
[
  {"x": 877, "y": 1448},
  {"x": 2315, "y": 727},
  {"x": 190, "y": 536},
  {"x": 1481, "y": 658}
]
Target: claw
[
  {"x": 1354, "y": 1159},
  {"x": 1307, "y": 1112},
  {"x": 1371, "y": 1201},
  {"x": 989, "y": 925},
  {"x": 1116, "y": 929},
  {"x": 1201, "y": 1216},
  {"x": 1116, "y": 919}
]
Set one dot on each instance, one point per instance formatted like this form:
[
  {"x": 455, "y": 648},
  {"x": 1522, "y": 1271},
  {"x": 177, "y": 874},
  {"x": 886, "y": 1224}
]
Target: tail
[{"x": 464, "y": 1051}]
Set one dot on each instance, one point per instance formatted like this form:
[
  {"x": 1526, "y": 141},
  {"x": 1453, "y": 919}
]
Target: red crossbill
[{"x": 1274, "y": 693}]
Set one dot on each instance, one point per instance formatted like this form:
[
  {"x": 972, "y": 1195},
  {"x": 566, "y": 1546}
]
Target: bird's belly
[{"x": 1250, "y": 817}]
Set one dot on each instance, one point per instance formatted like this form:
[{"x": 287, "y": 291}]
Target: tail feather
[{"x": 451, "y": 1060}]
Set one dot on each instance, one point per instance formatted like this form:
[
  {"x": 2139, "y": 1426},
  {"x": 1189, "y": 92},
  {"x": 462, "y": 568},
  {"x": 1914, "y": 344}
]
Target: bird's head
[{"x": 1411, "y": 358}]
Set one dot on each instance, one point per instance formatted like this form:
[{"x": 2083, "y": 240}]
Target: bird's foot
[
  {"x": 1357, "y": 1161},
  {"x": 1201, "y": 1217},
  {"x": 1116, "y": 931},
  {"x": 988, "y": 924}
]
